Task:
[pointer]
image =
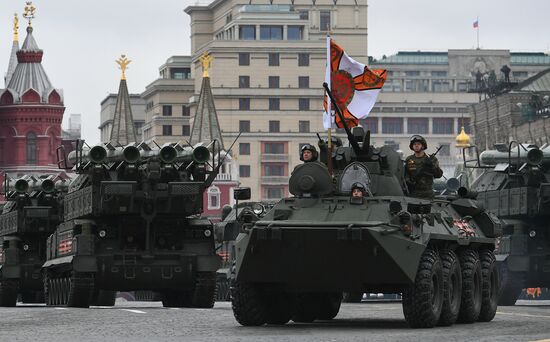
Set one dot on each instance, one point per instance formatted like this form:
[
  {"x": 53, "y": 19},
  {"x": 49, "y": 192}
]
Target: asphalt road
[{"x": 149, "y": 321}]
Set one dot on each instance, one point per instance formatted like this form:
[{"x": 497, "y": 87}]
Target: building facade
[{"x": 267, "y": 75}]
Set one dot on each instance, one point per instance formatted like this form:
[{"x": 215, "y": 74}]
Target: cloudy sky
[{"x": 81, "y": 39}]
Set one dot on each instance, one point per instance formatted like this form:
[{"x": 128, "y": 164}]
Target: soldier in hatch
[
  {"x": 308, "y": 153},
  {"x": 421, "y": 169},
  {"x": 358, "y": 190}
]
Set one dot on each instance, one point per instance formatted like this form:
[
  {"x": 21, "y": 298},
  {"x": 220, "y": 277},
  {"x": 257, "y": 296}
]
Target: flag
[
  {"x": 476, "y": 24},
  {"x": 353, "y": 85}
]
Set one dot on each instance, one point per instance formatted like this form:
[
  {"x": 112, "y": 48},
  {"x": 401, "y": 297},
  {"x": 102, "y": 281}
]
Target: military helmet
[
  {"x": 420, "y": 139},
  {"x": 360, "y": 186},
  {"x": 311, "y": 148}
]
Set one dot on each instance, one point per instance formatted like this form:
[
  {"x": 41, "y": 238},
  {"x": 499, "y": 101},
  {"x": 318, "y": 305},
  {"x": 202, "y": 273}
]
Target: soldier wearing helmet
[
  {"x": 308, "y": 153},
  {"x": 358, "y": 190},
  {"x": 421, "y": 169}
]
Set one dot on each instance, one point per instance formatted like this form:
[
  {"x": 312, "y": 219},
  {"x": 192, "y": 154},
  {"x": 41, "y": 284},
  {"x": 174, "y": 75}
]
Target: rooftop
[{"x": 433, "y": 57}]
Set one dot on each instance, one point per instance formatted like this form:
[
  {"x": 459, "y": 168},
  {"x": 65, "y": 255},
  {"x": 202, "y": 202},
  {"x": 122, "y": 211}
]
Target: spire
[
  {"x": 123, "y": 131},
  {"x": 206, "y": 126},
  {"x": 14, "y": 48}
]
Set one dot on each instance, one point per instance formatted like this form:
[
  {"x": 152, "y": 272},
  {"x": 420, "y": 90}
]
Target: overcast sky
[{"x": 81, "y": 39}]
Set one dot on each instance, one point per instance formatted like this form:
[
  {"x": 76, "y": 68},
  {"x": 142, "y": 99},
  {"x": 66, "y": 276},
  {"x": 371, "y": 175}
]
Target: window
[
  {"x": 519, "y": 74},
  {"x": 166, "y": 110},
  {"x": 274, "y": 170},
  {"x": 31, "y": 149},
  {"x": 304, "y": 14},
  {"x": 412, "y": 73},
  {"x": 303, "y": 81},
  {"x": 166, "y": 130},
  {"x": 440, "y": 86},
  {"x": 462, "y": 86},
  {"x": 295, "y": 33},
  {"x": 274, "y": 104},
  {"x": 180, "y": 73},
  {"x": 247, "y": 32},
  {"x": 417, "y": 126},
  {"x": 303, "y": 126},
  {"x": 271, "y": 32},
  {"x": 244, "y": 126},
  {"x": 303, "y": 59},
  {"x": 274, "y": 148},
  {"x": 445, "y": 150},
  {"x": 274, "y": 193},
  {"x": 244, "y": 81},
  {"x": 439, "y": 74},
  {"x": 303, "y": 104},
  {"x": 392, "y": 125},
  {"x": 244, "y": 58},
  {"x": 244, "y": 170},
  {"x": 443, "y": 126},
  {"x": 273, "y": 81},
  {"x": 274, "y": 126},
  {"x": 244, "y": 149},
  {"x": 186, "y": 130},
  {"x": 214, "y": 197},
  {"x": 464, "y": 122},
  {"x": 244, "y": 103},
  {"x": 324, "y": 20},
  {"x": 185, "y": 110},
  {"x": 370, "y": 124},
  {"x": 273, "y": 59}
]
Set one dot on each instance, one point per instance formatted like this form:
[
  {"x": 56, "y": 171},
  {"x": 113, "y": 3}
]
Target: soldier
[
  {"x": 421, "y": 169},
  {"x": 308, "y": 153},
  {"x": 358, "y": 190}
]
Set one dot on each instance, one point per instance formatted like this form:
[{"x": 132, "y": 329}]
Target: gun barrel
[{"x": 532, "y": 156}]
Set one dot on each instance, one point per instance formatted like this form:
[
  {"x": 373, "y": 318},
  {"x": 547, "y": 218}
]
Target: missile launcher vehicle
[
  {"x": 515, "y": 185},
  {"x": 31, "y": 213},
  {"x": 295, "y": 262},
  {"x": 131, "y": 223}
]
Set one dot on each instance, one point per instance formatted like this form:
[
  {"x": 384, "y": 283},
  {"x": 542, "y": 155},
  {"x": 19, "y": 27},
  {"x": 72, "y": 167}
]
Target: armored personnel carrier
[
  {"x": 131, "y": 223},
  {"x": 30, "y": 215},
  {"x": 295, "y": 262},
  {"x": 516, "y": 186}
]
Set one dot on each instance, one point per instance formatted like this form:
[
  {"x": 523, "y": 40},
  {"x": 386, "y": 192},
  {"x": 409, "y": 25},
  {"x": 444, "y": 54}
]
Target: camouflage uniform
[{"x": 420, "y": 174}]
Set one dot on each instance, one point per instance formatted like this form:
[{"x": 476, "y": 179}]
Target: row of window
[
  {"x": 415, "y": 125},
  {"x": 273, "y": 59},
  {"x": 167, "y": 110},
  {"x": 273, "y": 104},
  {"x": 167, "y": 130},
  {"x": 271, "y": 32},
  {"x": 269, "y": 170},
  {"x": 274, "y": 126},
  {"x": 274, "y": 81},
  {"x": 439, "y": 73}
]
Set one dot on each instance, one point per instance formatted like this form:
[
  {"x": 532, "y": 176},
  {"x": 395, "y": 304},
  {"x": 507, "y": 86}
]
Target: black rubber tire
[
  {"x": 489, "y": 287},
  {"x": 452, "y": 287},
  {"x": 8, "y": 292},
  {"x": 423, "y": 301},
  {"x": 32, "y": 297},
  {"x": 204, "y": 293},
  {"x": 80, "y": 290},
  {"x": 307, "y": 308},
  {"x": 511, "y": 285},
  {"x": 46, "y": 285},
  {"x": 280, "y": 307},
  {"x": 470, "y": 305},
  {"x": 104, "y": 298},
  {"x": 352, "y": 297},
  {"x": 329, "y": 306},
  {"x": 249, "y": 304},
  {"x": 222, "y": 290},
  {"x": 175, "y": 299}
]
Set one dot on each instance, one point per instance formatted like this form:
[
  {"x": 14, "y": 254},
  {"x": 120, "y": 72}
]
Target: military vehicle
[
  {"x": 131, "y": 223},
  {"x": 30, "y": 215},
  {"x": 516, "y": 186},
  {"x": 295, "y": 262}
]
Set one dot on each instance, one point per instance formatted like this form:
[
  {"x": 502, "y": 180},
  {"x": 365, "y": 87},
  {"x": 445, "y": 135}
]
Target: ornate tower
[
  {"x": 123, "y": 131},
  {"x": 31, "y": 111},
  {"x": 14, "y": 49}
]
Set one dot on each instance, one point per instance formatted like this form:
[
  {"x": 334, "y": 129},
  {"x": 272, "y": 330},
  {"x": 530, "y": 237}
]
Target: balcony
[
  {"x": 224, "y": 177},
  {"x": 274, "y": 180},
  {"x": 268, "y": 157}
]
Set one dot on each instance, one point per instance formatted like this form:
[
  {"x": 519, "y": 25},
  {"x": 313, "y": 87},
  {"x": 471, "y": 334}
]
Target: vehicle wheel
[
  {"x": 329, "y": 305},
  {"x": 46, "y": 282},
  {"x": 470, "y": 305},
  {"x": 452, "y": 287},
  {"x": 80, "y": 290},
  {"x": 104, "y": 298},
  {"x": 352, "y": 297},
  {"x": 204, "y": 293},
  {"x": 307, "y": 308},
  {"x": 222, "y": 290},
  {"x": 175, "y": 299},
  {"x": 511, "y": 285},
  {"x": 249, "y": 304},
  {"x": 423, "y": 301},
  {"x": 280, "y": 307},
  {"x": 8, "y": 292},
  {"x": 489, "y": 286}
]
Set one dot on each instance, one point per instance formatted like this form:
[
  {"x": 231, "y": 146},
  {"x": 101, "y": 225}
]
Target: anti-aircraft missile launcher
[
  {"x": 295, "y": 262},
  {"x": 31, "y": 213},
  {"x": 131, "y": 224},
  {"x": 515, "y": 185}
]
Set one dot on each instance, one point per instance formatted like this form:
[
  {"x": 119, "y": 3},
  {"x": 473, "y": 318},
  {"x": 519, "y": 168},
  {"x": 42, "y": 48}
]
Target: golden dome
[{"x": 463, "y": 139}]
